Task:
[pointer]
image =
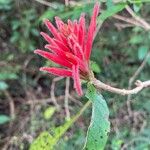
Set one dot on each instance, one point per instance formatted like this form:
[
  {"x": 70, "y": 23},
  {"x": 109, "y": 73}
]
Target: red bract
[{"x": 70, "y": 47}]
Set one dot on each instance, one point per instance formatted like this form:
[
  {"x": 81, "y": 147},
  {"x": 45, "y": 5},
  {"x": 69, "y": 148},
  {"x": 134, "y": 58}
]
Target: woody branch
[{"x": 102, "y": 86}]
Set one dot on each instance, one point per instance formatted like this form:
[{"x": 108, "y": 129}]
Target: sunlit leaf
[
  {"x": 49, "y": 112},
  {"x": 43, "y": 142},
  {"x": 95, "y": 67}
]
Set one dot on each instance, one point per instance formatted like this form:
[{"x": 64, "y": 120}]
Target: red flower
[{"x": 70, "y": 47}]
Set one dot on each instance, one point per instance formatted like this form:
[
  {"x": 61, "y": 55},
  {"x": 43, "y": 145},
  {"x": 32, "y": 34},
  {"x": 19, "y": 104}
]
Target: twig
[
  {"x": 11, "y": 104},
  {"x": 66, "y": 2},
  {"x": 128, "y": 20},
  {"x": 135, "y": 20},
  {"x": 132, "y": 79},
  {"x": 138, "y": 71},
  {"x": 52, "y": 92},
  {"x": 139, "y": 86},
  {"x": 140, "y": 20},
  {"x": 75, "y": 100},
  {"x": 66, "y": 99},
  {"x": 43, "y": 101},
  {"x": 143, "y": 139},
  {"x": 121, "y": 25},
  {"x": 47, "y": 3}
]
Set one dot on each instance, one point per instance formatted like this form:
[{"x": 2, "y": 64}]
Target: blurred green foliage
[
  {"x": 3, "y": 119},
  {"x": 116, "y": 55}
]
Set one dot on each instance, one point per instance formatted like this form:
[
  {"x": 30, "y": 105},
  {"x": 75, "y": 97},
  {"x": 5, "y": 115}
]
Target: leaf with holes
[{"x": 100, "y": 126}]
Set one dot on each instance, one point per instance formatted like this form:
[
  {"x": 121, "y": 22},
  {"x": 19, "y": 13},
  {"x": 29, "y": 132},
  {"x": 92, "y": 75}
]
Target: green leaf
[
  {"x": 136, "y": 39},
  {"x": 3, "y": 86},
  {"x": 137, "y": 6},
  {"x": 4, "y": 1},
  {"x": 111, "y": 11},
  {"x": 48, "y": 14},
  {"x": 100, "y": 126},
  {"x": 42, "y": 142},
  {"x": 142, "y": 51},
  {"x": 95, "y": 67},
  {"x": 109, "y": 3},
  {"x": 49, "y": 112},
  {"x": 148, "y": 61},
  {"x": 4, "y": 119},
  {"x": 5, "y": 4},
  {"x": 7, "y": 75}
]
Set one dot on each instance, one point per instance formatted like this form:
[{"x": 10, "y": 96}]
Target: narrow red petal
[
  {"x": 57, "y": 51},
  {"x": 75, "y": 60},
  {"x": 70, "y": 24},
  {"x": 61, "y": 45},
  {"x": 57, "y": 71},
  {"x": 82, "y": 30},
  {"x": 57, "y": 59},
  {"x": 75, "y": 47},
  {"x": 47, "y": 37},
  {"x": 63, "y": 38},
  {"x": 51, "y": 28},
  {"x": 76, "y": 78},
  {"x": 71, "y": 58},
  {"x": 59, "y": 22},
  {"x": 54, "y": 49},
  {"x": 75, "y": 31},
  {"x": 78, "y": 50},
  {"x": 65, "y": 56},
  {"x": 91, "y": 31}
]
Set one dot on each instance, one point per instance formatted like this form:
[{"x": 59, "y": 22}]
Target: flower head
[{"x": 70, "y": 47}]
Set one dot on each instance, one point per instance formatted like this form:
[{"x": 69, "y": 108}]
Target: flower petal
[
  {"x": 75, "y": 60},
  {"x": 91, "y": 31},
  {"x": 54, "y": 49},
  {"x": 57, "y": 51},
  {"x": 82, "y": 30},
  {"x": 75, "y": 47},
  {"x": 76, "y": 78},
  {"x": 47, "y": 38},
  {"x": 57, "y": 71},
  {"x": 51, "y": 28},
  {"x": 63, "y": 38},
  {"x": 57, "y": 59},
  {"x": 61, "y": 45},
  {"x": 59, "y": 23},
  {"x": 75, "y": 23}
]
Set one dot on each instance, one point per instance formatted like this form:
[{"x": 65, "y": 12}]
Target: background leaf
[
  {"x": 111, "y": 11},
  {"x": 3, "y": 85},
  {"x": 3, "y": 119},
  {"x": 49, "y": 112},
  {"x": 95, "y": 67},
  {"x": 142, "y": 51}
]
